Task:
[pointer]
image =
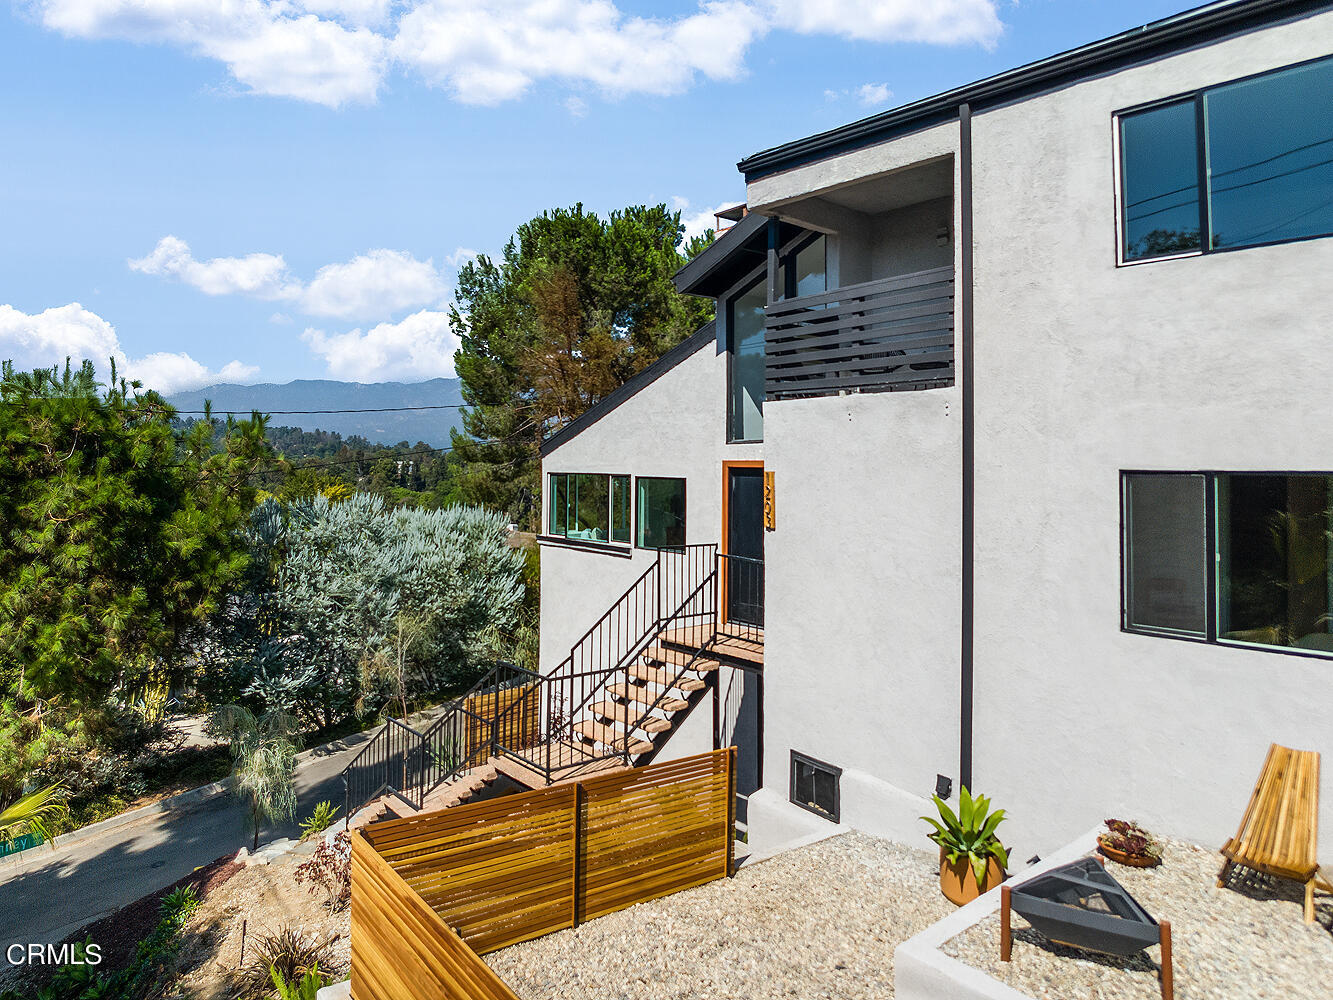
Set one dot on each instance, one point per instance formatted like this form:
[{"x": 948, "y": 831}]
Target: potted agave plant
[
  {"x": 1129, "y": 844},
  {"x": 972, "y": 859}
]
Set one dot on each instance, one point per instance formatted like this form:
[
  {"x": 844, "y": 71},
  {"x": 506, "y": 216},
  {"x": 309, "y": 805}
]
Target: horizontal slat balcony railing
[{"x": 892, "y": 333}]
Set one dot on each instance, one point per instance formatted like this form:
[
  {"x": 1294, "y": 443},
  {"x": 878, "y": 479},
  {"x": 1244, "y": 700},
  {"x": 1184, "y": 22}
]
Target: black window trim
[
  {"x": 634, "y": 505},
  {"x": 1205, "y": 221},
  {"x": 589, "y": 543},
  {"x": 1210, "y": 638},
  {"x": 798, "y": 757}
]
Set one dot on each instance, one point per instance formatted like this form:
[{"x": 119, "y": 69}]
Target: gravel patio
[
  {"x": 1244, "y": 942},
  {"x": 818, "y": 922}
]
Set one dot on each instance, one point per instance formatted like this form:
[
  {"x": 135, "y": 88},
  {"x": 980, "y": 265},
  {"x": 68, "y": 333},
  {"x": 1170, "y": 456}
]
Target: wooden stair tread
[
  {"x": 665, "y": 678},
  {"x": 622, "y": 713},
  {"x": 610, "y": 736},
  {"x": 647, "y": 696},
  {"x": 680, "y": 658}
]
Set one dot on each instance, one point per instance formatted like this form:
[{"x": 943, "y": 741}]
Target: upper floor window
[
  {"x": 1239, "y": 165},
  {"x": 745, "y": 372},
  {"x": 591, "y": 507},
  {"x": 1243, "y": 558}
]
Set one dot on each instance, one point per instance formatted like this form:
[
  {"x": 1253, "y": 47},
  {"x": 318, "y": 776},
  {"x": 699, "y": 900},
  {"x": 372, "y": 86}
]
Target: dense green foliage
[
  {"x": 117, "y": 535},
  {"x": 328, "y": 587},
  {"x": 575, "y": 306}
]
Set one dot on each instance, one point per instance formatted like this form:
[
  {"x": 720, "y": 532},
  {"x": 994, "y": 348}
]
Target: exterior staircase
[{"x": 614, "y": 702}]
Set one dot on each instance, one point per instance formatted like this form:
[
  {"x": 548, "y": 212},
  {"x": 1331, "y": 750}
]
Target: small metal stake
[
  {"x": 244, "y": 923},
  {"x": 1168, "y": 979},
  {"x": 1006, "y": 938}
]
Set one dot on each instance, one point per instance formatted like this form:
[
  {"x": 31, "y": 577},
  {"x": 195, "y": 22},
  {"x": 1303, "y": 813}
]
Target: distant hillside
[{"x": 430, "y": 426}]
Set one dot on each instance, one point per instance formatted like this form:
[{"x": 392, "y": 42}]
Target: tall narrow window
[
  {"x": 1160, "y": 171},
  {"x": 1275, "y": 577},
  {"x": 620, "y": 510},
  {"x": 746, "y": 372},
  {"x": 1166, "y": 551},
  {"x": 661, "y": 513},
  {"x": 806, "y": 270}
]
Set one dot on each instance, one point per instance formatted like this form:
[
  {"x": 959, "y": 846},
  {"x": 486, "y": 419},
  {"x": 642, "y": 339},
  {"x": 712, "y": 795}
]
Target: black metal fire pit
[{"x": 1081, "y": 905}]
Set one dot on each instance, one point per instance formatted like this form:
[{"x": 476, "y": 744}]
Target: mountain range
[{"x": 430, "y": 426}]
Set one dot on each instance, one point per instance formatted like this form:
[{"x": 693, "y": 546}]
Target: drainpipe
[{"x": 965, "y": 315}]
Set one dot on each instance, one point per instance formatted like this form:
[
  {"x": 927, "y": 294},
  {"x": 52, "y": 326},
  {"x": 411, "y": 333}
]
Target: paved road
[{"x": 45, "y": 894}]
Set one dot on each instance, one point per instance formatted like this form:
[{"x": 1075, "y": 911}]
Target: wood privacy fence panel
[
  {"x": 517, "y": 867},
  {"x": 401, "y": 949},
  {"x": 653, "y": 831},
  {"x": 499, "y": 871},
  {"x": 479, "y": 709}
]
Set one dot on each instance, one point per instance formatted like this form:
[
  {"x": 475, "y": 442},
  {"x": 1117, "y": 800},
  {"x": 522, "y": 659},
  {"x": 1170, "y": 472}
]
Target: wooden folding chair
[{"x": 1280, "y": 831}]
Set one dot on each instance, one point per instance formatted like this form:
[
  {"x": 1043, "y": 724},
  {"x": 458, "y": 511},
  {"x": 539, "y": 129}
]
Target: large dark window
[
  {"x": 1266, "y": 155},
  {"x": 1269, "y": 538},
  {"x": 814, "y": 786},
  {"x": 590, "y": 507},
  {"x": 661, "y": 513}
]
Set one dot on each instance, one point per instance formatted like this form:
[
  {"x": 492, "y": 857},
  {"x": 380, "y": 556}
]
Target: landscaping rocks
[
  {"x": 818, "y": 922},
  {"x": 1245, "y": 942}
]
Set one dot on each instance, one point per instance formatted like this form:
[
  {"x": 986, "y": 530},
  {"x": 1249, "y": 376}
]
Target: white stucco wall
[
  {"x": 862, "y": 603},
  {"x": 1084, "y": 369},
  {"x": 674, "y": 427}
]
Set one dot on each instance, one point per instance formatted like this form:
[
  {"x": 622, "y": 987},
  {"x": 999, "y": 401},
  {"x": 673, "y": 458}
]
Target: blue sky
[{"x": 262, "y": 190}]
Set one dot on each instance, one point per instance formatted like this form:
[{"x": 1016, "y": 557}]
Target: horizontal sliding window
[
  {"x": 1269, "y": 538},
  {"x": 1242, "y": 164},
  {"x": 661, "y": 513},
  {"x": 591, "y": 507}
]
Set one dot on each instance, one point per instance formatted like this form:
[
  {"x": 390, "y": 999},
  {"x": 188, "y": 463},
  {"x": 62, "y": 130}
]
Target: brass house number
[{"x": 770, "y": 504}]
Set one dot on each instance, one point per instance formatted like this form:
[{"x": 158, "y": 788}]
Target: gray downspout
[{"x": 965, "y": 314}]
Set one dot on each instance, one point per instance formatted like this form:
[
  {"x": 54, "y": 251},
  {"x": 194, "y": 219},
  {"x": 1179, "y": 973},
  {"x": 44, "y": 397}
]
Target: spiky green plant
[
  {"x": 319, "y": 820},
  {"x": 970, "y": 833},
  {"x": 30, "y": 813},
  {"x": 265, "y": 761},
  {"x": 307, "y": 987}
]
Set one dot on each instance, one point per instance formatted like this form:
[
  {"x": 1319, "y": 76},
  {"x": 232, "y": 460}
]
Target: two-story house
[{"x": 1006, "y": 460}]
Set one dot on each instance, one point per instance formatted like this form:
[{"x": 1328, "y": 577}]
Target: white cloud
[
  {"x": 260, "y": 275},
  {"x": 273, "y": 47},
  {"x": 577, "y": 107},
  {"x": 43, "y": 339},
  {"x": 941, "y": 22},
  {"x": 373, "y": 285},
  {"x": 696, "y": 222},
  {"x": 486, "y": 51},
  {"x": 419, "y": 347},
  {"x": 873, "y": 94}
]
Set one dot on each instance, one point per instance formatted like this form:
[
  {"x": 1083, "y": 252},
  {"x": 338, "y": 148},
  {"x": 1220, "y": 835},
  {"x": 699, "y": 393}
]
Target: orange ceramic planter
[{"x": 959, "y": 884}]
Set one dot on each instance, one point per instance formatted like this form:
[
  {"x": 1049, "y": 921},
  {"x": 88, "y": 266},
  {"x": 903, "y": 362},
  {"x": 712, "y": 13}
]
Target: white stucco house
[{"x": 1035, "y": 379}]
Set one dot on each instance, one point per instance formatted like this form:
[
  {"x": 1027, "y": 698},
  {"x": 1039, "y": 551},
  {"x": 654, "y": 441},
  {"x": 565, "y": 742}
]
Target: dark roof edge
[
  {"x": 1207, "y": 23},
  {"x": 713, "y": 256},
  {"x": 706, "y": 334}
]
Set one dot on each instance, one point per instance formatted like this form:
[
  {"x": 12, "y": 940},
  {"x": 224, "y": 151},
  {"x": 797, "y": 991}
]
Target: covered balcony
[{"x": 880, "y": 317}]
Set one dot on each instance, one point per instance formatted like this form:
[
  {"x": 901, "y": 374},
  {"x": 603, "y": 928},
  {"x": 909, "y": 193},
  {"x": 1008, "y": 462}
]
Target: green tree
[
  {"x": 118, "y": 534},
  {"x": 265, "y": 761},
  {"x": 575, "y": 306},
  {"x": 30, "y": 813}
]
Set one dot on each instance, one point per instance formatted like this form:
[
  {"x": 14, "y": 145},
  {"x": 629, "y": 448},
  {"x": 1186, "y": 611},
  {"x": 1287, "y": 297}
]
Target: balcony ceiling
[{"x": 900, "y": 188}]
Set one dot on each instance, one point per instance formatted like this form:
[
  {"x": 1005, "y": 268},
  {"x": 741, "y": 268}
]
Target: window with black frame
[
  {"x": 814, "y": 786},
  {"x": 661, "y": 512},
  {"x": 1269, "y": 541},
  {"x": 1237, "y": 165},
  {"x": 589, "y": 507}
]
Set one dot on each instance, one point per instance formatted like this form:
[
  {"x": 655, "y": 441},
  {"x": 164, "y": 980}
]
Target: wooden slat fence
[
  {"x": 521, "y": 866},
  {"x": 890, "y": 333}
]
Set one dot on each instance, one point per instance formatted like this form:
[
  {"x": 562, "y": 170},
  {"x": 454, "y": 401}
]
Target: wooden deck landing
[{"x": 733, "y": 642}]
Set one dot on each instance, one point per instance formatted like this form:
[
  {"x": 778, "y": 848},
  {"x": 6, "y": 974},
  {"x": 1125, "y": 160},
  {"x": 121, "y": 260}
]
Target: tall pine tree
[{"x": 575, "y": 306}]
